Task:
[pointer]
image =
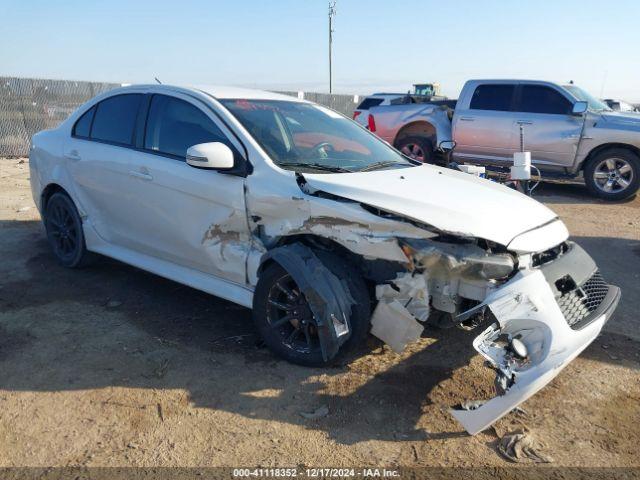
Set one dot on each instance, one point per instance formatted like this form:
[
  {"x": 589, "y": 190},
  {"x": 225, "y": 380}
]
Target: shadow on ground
[
  {"x": 57, "y": 332},
  {"x": 571, "y": 193}
]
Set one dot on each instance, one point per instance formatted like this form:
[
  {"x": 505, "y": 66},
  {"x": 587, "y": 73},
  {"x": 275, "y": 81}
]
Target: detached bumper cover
[{"x": 527, "y": 308}]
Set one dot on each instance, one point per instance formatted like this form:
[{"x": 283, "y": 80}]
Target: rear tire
[
  {"x": 277, "y": 336},
  {"x": 613, "y": 174},
  {"x": 417, "y": 148},
  {"x": 64, "y": 232}
]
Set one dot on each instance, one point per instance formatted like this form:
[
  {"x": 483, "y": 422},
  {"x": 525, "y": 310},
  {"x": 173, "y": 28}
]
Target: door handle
[
  {"x": 467, "y": 119},
  {"x": 524, "y": 122},
  {"x": 72, "y": 155},
  {"x": 140, "y": 175}
]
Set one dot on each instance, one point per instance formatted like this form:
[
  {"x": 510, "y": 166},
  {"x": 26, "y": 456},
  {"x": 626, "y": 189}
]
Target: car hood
[
  {"x": 449, "y": 200},
  {"x": 628, "y": 120}
]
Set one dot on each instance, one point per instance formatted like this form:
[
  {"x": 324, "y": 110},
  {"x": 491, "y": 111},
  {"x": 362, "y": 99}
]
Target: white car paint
[
  {"x": 479, "y": 207},
  {"x": 211, "y": 230}
]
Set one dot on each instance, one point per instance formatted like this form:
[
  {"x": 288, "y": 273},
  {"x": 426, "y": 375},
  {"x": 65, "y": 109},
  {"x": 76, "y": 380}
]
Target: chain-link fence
[{"x": 28, "y": 105}]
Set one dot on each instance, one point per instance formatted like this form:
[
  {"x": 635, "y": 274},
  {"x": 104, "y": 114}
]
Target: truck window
[
  {"x": 541, "y": 99},
  {"x": 367, "y": 103},
  {"x": 492, "y": 97}
]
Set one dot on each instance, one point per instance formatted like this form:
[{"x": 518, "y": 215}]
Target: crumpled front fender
[{"x": 526, "y": 309}]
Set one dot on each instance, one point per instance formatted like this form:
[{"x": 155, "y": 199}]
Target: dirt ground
[{"x": 112, "y": 366}]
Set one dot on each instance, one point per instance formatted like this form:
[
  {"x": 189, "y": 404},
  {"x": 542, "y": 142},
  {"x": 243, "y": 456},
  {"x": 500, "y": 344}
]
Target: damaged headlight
[
  {"x": 457, "y": 259},
  {"x": 518, "y": 348}
]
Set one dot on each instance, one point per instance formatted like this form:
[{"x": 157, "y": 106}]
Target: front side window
[
  {"x": 115, "y": 119},
  {"x": 174, "y": 125},
  {"x": 310, "y": 137},
  {"x": 541, "y": 99},
  {"x": 492, "y": 97}
]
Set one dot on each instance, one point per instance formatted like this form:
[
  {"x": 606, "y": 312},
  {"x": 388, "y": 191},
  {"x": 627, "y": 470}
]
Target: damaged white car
[{"x": 323, "y": 229}]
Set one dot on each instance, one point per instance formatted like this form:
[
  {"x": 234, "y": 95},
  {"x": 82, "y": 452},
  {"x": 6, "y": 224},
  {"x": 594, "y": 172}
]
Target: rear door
[
  {"x": 189, "y": 216},
  {"x": 550, "y": 132},
  {"x": 484, "y": 131},
  {"x": 98, "y": 156}
]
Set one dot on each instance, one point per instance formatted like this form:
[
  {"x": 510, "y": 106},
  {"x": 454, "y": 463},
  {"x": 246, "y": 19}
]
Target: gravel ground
[{"x": 112, "y": 366}]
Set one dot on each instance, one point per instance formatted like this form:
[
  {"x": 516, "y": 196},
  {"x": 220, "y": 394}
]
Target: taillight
[
  {"x": 371, "y": 123},
  {"x": 355, "y": 114}
]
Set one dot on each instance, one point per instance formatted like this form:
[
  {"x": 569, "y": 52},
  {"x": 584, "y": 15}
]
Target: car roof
[{"x": 217, "y": 91}]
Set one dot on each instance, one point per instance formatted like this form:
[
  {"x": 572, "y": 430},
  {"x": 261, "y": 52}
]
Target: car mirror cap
[{"x": 212, "y": 155}]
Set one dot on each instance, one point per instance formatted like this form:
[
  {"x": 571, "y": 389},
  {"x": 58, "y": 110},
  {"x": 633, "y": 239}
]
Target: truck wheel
[
  {"x": 417, "y": 148},
  {"x": 285, "y": 322},
  {"x": 613, "y": 174},
  {"x": 64, "y": 232}
]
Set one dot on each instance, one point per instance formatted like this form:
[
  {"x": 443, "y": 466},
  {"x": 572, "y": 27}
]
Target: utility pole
[{"x": 332, "y": 13}]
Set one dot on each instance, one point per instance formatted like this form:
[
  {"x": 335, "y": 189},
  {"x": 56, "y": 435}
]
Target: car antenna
[{"x": 159, "y": 82}]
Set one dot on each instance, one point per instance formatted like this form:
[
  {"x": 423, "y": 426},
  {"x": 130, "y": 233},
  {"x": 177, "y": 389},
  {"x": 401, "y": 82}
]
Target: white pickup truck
[{"x": 567, "y": 131}]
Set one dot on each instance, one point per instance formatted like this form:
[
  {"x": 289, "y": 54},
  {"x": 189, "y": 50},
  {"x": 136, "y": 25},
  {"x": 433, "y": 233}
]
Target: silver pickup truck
[{"x": 567, "y": 131}]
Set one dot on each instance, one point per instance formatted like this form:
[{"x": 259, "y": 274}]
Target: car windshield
[
  {"x": 594, "y": 104},
  {"x": 304, "y": 136}
]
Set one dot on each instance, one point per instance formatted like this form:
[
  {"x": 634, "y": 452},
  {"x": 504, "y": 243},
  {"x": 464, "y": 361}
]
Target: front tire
[
  {"x": 286, "y": 324},
  {"x": 64, "y": 231},
  {"x": 613, "y": 174}
]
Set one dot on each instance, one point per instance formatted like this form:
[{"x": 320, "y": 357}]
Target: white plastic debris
[
  {"x": 394, "y": 325},
  {"x": 410, "y": 291}
]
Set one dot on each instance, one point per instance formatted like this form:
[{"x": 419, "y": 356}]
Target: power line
[{"x": 332, "y": 13}]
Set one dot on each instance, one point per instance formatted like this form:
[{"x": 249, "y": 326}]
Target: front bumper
[{"x": 528, "y": 307}]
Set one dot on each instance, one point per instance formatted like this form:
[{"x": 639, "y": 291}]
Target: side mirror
[
  {"x": 213, "y": 155},
  {"x": 579, "y": 108},
  {"x": 446, "y": 145}
]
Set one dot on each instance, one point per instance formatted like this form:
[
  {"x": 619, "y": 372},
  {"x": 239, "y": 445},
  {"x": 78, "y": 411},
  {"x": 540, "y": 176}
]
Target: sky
[{"x": 283, "y": 44}]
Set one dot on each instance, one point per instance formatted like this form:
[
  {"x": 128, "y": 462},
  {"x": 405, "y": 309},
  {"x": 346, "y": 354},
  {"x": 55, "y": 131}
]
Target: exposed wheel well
[
  {"x": 420, "y": 129},
  {"x": 313, "y": 241},
  {"x": 46, "y": 195},
  {"x": 607, "y": 146},
  {"x": 373, "y": 271}
]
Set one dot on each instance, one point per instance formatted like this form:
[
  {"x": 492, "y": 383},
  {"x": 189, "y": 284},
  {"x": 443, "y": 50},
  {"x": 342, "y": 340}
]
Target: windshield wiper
[
  {"x": 316, "y": 166},
  {"x": 377, "y": 165}
]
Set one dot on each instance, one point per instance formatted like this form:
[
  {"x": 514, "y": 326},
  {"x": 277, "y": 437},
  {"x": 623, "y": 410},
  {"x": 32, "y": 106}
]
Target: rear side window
[
  {"x": 82, "y": 128},
  {"x": 492, "y": 97},
  {"x": 115, "y": 119},
  {"x": 174, "y": 125},
  {"x": 367, "y": 103},
  {"x": 541, "y": 99}
]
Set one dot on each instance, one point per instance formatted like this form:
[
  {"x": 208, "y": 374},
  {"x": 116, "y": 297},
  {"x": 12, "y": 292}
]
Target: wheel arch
[
  {"x": 373, "y": 271},
  {"x": 314, "y": 242},
  {"x": 607, "y": 146},
  {"x": 47, "y": 192},
  {"x": 420, "y": 128}
]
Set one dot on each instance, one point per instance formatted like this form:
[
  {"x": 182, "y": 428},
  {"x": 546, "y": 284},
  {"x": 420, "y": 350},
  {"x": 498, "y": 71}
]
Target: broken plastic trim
[
  {"x": 525, "y": 308},
  {"x": 454, "y": 259},
  {"x": 328, "y": 296}
]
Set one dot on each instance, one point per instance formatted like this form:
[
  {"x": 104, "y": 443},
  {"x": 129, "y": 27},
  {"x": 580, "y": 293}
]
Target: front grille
[{"x": 579, "y": 303}]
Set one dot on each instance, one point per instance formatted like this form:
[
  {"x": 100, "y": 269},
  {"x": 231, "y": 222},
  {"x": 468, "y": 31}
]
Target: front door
[
  {"x": 550, "y": 132},
  {"x": 189, "y": 216}
]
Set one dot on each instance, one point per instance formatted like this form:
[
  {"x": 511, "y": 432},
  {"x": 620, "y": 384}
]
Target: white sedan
[{"x": 321, "y": 228}]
